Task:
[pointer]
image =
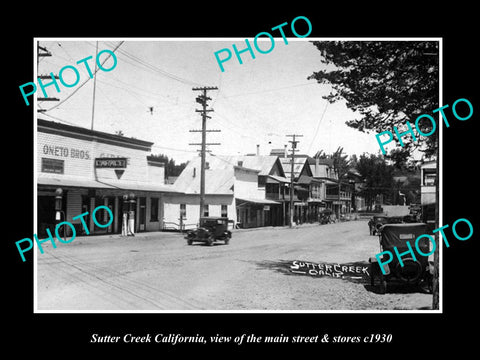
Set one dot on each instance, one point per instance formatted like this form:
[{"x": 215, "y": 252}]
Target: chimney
[
  {"x": 258, "y": 149},
  {"x": 317, "y": 165}
]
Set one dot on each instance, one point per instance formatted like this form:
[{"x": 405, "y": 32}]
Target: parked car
[
  {"x": 326, "y": 217},
  {"x": 413, "y": 271},
  {"x": 377, "y": 221},
  {"x": 210, "y": 229}
]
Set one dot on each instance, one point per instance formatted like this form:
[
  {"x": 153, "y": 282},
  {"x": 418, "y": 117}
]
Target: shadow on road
[{"x": 356, "y": 272}]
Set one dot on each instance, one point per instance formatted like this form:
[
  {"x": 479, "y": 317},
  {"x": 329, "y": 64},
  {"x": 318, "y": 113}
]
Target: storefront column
[
  {"x": 105, "y": 219},
  {"x": 115, "y": 215},
  {"x": 91, "y": 226}
]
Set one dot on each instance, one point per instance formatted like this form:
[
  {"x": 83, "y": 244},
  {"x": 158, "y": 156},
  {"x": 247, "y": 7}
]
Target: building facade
[
  {"x": 92, "y": 168},
  {"x": 428, "y": 175},
  {"x": 247, "y": 189}
]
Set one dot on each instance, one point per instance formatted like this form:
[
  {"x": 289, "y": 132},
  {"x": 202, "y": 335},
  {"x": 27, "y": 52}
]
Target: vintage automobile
[
  {"x": 377, "y": 221},
  {"x": 413, "y": 271},
  {"x": 210, "y": 230},
  {"x": 325, "y": 217}
]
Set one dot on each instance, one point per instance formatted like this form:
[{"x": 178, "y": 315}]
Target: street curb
[
  {"x": 286, "y": 227},
  {"x": 162, "y": 234}
]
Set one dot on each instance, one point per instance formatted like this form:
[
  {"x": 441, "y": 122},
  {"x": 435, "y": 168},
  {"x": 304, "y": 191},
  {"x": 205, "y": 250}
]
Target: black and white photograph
[
  {"x": 182, "y": 182},
  {"x": 291, "y": 179}
]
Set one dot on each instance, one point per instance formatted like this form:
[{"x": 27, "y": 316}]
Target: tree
[
  {"x": 171, "y": 169},
  {"x": 388, "y": 83},
  {"x": 399, "y": 157},
  {"x": 320, "y": 155},
  {"x": 377, "y": 175}
]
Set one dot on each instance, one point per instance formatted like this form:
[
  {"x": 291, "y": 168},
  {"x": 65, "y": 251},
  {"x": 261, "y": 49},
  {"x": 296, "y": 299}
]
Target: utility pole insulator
[{"x": 292, "y": 176}]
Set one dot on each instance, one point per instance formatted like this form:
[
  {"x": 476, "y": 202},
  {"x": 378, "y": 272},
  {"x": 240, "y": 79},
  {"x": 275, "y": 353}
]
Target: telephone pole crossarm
[
  {"x": 292, "y": 174},
  {"x": 202, "y": 99}
]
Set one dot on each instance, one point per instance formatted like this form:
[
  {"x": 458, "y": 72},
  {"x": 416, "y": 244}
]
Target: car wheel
[
  {"x": 210, "y": 241},
  {"x": 189, "y": 242},
  {"x": 410, "y": 272}
]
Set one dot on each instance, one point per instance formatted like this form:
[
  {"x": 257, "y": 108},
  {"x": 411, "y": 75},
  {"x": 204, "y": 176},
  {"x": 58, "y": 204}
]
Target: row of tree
[{"x": 171, "y": 168}]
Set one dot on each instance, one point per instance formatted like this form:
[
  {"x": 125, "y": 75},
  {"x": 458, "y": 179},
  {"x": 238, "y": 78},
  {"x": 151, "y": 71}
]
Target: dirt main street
[{"x": 159, "y": 271}]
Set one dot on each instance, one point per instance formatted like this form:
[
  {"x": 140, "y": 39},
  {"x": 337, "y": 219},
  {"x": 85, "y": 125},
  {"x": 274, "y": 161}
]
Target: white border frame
[{"x": 440, "y": 181}]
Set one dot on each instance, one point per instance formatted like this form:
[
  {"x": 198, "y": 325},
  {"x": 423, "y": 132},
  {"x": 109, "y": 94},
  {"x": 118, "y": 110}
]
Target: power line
[
  {"x": 173, "y": 149},
  {"x": 268, "y": 90},
  {"x": 317, "y": 128},
  {"x": 81, "y": 85},
  {"x": 156, "y": 69}
]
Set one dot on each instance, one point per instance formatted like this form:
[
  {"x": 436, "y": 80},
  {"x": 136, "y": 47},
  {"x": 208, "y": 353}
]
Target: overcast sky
[{"x": 258, "y": 102}]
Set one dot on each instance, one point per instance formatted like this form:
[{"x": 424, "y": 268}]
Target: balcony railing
[{"x": 335, "y": 196}]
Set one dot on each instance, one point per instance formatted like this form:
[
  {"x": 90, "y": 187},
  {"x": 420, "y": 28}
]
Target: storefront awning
[
  {"x": 279, "y": 179},
  {"x": 316, "y": 201},
  {"x": 139, "y": 186},
  {"x": 79, "y": 182},
  {"x": 259, "y": 201},
  {"x": 71, "y": 181}
]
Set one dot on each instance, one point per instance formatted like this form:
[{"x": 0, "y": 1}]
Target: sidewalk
[
  {"x": 178, "y": 235},
  {"x": 138, "y": 236}
]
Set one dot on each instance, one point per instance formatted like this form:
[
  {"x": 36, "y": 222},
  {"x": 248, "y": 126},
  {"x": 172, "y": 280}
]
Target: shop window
[
  {"x": 154, "y": 209},
  {"x": 52, "y": 166},
  {"x": 224, "y": 211},
  {"x": 261, "y": 181}
]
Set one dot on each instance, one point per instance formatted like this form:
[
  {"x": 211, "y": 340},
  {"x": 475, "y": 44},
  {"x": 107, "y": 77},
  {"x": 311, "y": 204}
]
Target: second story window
[{"x": 429, "y": 176}]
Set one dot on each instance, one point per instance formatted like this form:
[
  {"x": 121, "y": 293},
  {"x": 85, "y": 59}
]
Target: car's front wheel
[{"x": 210, "y": 240}]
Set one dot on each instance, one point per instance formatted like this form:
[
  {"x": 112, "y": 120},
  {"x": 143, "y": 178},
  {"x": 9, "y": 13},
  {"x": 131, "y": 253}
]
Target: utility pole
[
  {"x": 294, "y": 146},
  {"x": 94, "y": 86},
  {"x": 202, "y": 99},
  {"x": 44, "y": 53},
  {"x": 41, "y": 54}
]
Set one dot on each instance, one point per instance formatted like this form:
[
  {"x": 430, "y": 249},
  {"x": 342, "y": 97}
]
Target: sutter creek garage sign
[
  {"x": 342, "y": 271},
  {"x": 111, "y": 162}
]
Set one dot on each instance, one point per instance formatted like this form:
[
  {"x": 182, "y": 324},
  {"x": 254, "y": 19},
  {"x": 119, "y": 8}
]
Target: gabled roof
[
  {"x": 218, "y": 179},
  {"x": 297, "y": 167},
  {"x": 220, "y": 172},
  {"x": 264, "y": 163}
]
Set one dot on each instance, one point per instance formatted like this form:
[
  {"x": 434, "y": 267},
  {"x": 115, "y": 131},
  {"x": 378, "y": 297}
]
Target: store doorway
[
  {"x": 45, "y": 214},
  {"x": 142, "y": 214}
]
